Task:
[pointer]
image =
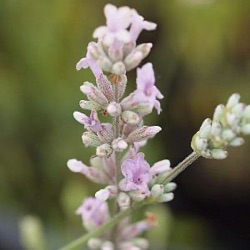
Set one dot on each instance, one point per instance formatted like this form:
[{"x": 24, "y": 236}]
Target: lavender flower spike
[
  {"x": 146, "y": 89},
  {"x": 136, "y": 173}
]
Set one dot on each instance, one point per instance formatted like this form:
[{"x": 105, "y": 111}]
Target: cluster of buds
[
  {"x": 118, "y": 163},
  {"x": 229, "y": 122},
  {"x": 116, "y": 50}
]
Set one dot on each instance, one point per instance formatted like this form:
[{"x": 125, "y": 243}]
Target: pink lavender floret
[
  {"x": 94, "y": 213},
  {"x": 88, "y": 62},
  {"x": 90, "y": 122},
  {"x": 146, "y": 89},
  {"x": 136, "y": 173},
  {"x": 118, "y": 20}
]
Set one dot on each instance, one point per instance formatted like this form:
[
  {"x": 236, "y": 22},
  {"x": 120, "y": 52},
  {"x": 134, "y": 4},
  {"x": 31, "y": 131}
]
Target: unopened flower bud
[
  {"x": 90, "y": 139},
  {"x": 118, "y": 68},
  {"x": 94, "y": 94},
  {"x": 137, "y": 195},
  {"x": 143, "y": 133},
  {"x": 123, "y": 200},
  {"x": 238, "y": 141},
  {"x": 104, "y": 150},
  {"x": 228, "y": 134},
  {"x": 119, "y": 144},
  {"x": 106, "y": 133},
  {"x": 169, "y": 187},
  {"x": 233, "y": 100},
  {"x": 107, "y": 245},
  {"x": 105, "y": 63},
  {"x": 246, "y": 129},
  {"x": 218, "y": 154},
  {"x": 246, "y": 113},
  {"x": 205, "y": 129},
  {"x": 102, "y": 194},
  {"x": 94, "y": 243},
  {"x": 90, "y": 105},
  {"x": 114, "y": 109},
  {"x": 219, "y": 110},
  {"x": 157, "y": 190},
  {"x": 136, "y": 56},
  {"x": 166, "y": 197},
  {"x": 130, "y": 117}
]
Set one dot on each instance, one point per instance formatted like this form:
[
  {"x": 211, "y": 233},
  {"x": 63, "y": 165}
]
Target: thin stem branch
[
  {"x": 103, "y": 228},
  {"x": 181, "y": 167}
]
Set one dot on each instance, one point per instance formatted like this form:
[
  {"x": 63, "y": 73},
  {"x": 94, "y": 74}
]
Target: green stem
[
  {"x": 181, "y": 167},
  {"x": 103, "y": 228}
]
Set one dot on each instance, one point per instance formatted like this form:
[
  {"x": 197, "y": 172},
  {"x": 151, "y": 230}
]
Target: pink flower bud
[
  {"x": 143, "y": 133},
  {"x": 114, "y": 109},
  {"x": 90, "y": 105},
  {"x": 119, "y": 144},
  {"x": 130, "y": 117},
  {"x": 104, "y": 150},
  {"x": 90, "y": 139},
  {"x": 118, "y": 68},
  {"x": 105, "y": 87},
  {"x": 94, "y": 94}
]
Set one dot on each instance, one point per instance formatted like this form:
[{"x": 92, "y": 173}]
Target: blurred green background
[{"x": 201, "y": 55}]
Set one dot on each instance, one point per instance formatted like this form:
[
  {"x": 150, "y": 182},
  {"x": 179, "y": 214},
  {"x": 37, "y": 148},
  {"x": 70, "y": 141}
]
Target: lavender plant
[{"x": 129, "y": 181}]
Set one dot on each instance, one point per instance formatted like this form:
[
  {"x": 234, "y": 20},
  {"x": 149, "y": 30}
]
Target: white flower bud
[
  {"x": 219, "y": 110},
  {"x": 238, "y": 141},
  {"x": 166, "y": 197},
  {"x": 157, "y": 190},
  {"x": 201, "y": 144},
  {"x": 169, "y": 187},
  {"x": 119, "y": 144},
  {"x": 216, "y": 129},
  {"x": 105, "y": 63},
  {"x": 219, "y": 154},
  {"x": 246, "y": 113},
  {"x": 205, "y": 129},
  {"x": 114, "y": 109},
  {"x": 123, "y": 200},
  {"x": 228, "y": 134},
  {"x": 104, "y": 150},
  {"x": 90, "y": 139},
  {"x": 238, "y": 109},
  {"x": 90, "y": 105},
  {"x": 102, "y": 194},
  {"x": 94, "y": 243},
  {"x": 137, "y": 195},
  {"x": 107, "y": 245},
  {"x": 130, "y": 117},
  {"x": 118, "y": 68},
  {"x": 233, "y": 100},
  {"x": 246, "y": 129}
]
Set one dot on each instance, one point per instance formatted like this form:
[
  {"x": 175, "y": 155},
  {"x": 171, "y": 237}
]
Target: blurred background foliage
[{"x": 201, "y": 55}]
